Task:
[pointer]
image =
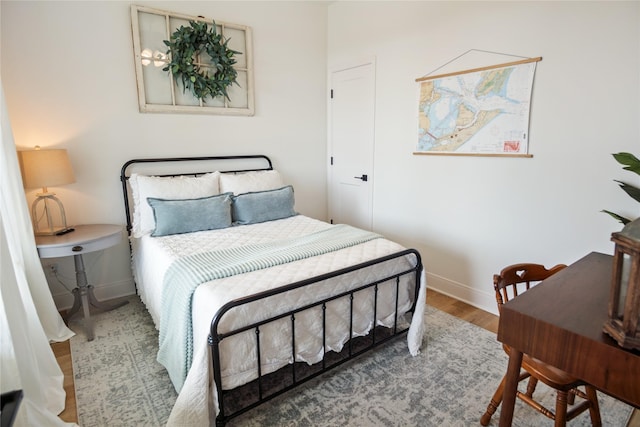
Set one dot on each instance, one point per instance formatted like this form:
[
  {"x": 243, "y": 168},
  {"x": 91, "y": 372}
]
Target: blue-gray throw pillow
[
  {"x": 261, "y": 206},
  {"x": 188, "y": 215}
]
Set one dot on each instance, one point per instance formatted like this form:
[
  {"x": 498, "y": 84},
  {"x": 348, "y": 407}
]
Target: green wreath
[{"x": 186, "y": 44}]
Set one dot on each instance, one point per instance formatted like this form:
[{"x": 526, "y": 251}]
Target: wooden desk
[{"x": 560, "y": 322}]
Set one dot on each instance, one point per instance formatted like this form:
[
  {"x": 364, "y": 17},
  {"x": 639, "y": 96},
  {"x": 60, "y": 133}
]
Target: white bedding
[{"x": 153, "y": 255}]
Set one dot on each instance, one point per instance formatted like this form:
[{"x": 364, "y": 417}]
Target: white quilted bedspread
[{"x": 152, "y": 256}]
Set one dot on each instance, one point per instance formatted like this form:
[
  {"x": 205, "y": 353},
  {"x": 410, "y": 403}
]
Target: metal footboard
[{"x": 268, "y": 386}]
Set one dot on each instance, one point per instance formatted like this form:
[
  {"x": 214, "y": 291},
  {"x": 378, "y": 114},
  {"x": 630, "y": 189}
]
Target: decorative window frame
[{"x": 159, "y": 92}]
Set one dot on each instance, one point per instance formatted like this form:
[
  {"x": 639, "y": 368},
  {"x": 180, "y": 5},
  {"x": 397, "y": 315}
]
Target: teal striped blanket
[{"x": 185, "y": 274}]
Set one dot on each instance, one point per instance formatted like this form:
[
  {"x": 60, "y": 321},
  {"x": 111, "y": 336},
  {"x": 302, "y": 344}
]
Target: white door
[{"x": 351, "y": 130}]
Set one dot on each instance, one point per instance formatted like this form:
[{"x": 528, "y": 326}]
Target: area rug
[{"x": 119, "y": 383}]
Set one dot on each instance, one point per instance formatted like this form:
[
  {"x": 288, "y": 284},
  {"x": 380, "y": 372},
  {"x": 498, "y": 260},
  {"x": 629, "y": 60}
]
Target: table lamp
[{"x": 47, "y": 168}]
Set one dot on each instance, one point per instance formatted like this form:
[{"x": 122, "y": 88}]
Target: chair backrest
[{"x": 518, "y": 278}]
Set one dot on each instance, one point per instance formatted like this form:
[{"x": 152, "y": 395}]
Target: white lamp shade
[{"x": 46, "y": 168}]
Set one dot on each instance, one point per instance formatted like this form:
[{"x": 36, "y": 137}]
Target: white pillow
[
  {"x": 245, "y": 182},
  {"x": 168, "y": 188}
]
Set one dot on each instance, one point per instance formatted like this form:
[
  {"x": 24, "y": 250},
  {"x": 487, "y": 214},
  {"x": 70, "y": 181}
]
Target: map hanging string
[{"x": 467, "y": 52}]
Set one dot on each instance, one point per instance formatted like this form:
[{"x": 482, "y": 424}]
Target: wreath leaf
[{"x": 186, "y": 45}]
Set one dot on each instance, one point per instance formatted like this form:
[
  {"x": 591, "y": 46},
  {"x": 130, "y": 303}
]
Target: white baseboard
[
  {"x": 484, "y": 300},
  {"x": 103, "y": 292}
]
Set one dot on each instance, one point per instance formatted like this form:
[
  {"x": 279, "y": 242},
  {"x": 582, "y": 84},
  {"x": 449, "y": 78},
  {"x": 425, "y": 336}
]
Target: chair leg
[
  {"x": 594, "y": 407},
  {"x": 531, "y": 386},
  {"x": 561, "y": 409},
  {"x": 496, "y": 400}
]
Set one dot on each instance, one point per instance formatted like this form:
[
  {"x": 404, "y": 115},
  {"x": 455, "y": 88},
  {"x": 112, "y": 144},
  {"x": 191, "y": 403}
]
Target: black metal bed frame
[{"x": 234, "y": 402}]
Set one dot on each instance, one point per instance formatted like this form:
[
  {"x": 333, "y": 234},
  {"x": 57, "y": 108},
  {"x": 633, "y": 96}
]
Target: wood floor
[
  {"x": 62, "y": 350},
  {"x": 442, "y": 302}
]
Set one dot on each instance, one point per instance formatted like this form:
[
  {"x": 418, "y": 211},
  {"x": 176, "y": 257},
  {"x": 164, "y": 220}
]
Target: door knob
[{"x": 363, "y": 177}]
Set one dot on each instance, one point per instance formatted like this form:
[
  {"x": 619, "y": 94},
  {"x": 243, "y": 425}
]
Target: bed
[{"x": 251, "y": 298}]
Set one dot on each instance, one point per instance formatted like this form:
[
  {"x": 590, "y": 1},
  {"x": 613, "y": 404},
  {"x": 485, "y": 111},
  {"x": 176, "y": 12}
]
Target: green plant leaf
[
  {"x": 631, "y": 162},
  {"x": 631, "y": 190},
  {"x": 617, "y": 217}
]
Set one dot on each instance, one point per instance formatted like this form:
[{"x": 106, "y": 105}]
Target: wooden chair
[{"x": 506, "y": 286}]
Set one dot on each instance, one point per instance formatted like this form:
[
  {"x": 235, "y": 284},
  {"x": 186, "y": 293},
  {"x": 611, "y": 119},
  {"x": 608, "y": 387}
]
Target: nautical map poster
[{"x": 477, "y": 112}]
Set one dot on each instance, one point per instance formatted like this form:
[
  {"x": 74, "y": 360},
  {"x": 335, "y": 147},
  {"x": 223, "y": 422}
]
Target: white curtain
[{"x": 28, "y": 317}]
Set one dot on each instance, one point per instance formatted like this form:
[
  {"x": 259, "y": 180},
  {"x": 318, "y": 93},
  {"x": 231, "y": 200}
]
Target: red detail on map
[{"x": 511, "y": 147}]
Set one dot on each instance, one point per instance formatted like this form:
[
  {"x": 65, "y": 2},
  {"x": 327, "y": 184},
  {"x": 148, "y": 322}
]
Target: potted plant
[{"x": 631, "y": 163}]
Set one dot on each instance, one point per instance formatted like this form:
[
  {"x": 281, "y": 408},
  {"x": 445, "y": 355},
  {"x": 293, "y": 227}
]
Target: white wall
[
  {"x": 68, "y": 74},
  {"x": 67, "y": 70},
  {"x": 470, "y": 216}
]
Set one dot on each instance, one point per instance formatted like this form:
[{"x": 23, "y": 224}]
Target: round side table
[{"x": 84, "y": 239}]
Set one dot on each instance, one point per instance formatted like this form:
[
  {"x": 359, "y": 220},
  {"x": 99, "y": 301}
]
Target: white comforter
[{"x": 152, "y": 256}]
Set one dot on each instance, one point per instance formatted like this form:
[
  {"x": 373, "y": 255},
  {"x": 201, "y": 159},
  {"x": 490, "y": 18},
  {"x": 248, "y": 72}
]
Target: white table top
[{"x": 85, "y": 238}]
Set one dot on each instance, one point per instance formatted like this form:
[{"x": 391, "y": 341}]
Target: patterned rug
[{"x": 119, "y": 383}]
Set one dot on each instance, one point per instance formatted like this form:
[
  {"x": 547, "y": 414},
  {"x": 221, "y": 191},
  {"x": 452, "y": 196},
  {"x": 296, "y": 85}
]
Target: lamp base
[{"x": 48, "y": 213}]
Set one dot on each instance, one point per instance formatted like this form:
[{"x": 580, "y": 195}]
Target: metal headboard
[{"x": 223, "y": 164}]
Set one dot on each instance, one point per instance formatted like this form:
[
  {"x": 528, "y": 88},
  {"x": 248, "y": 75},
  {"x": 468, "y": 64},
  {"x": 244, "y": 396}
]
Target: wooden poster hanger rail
[{"x": 474, "y": 70}]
